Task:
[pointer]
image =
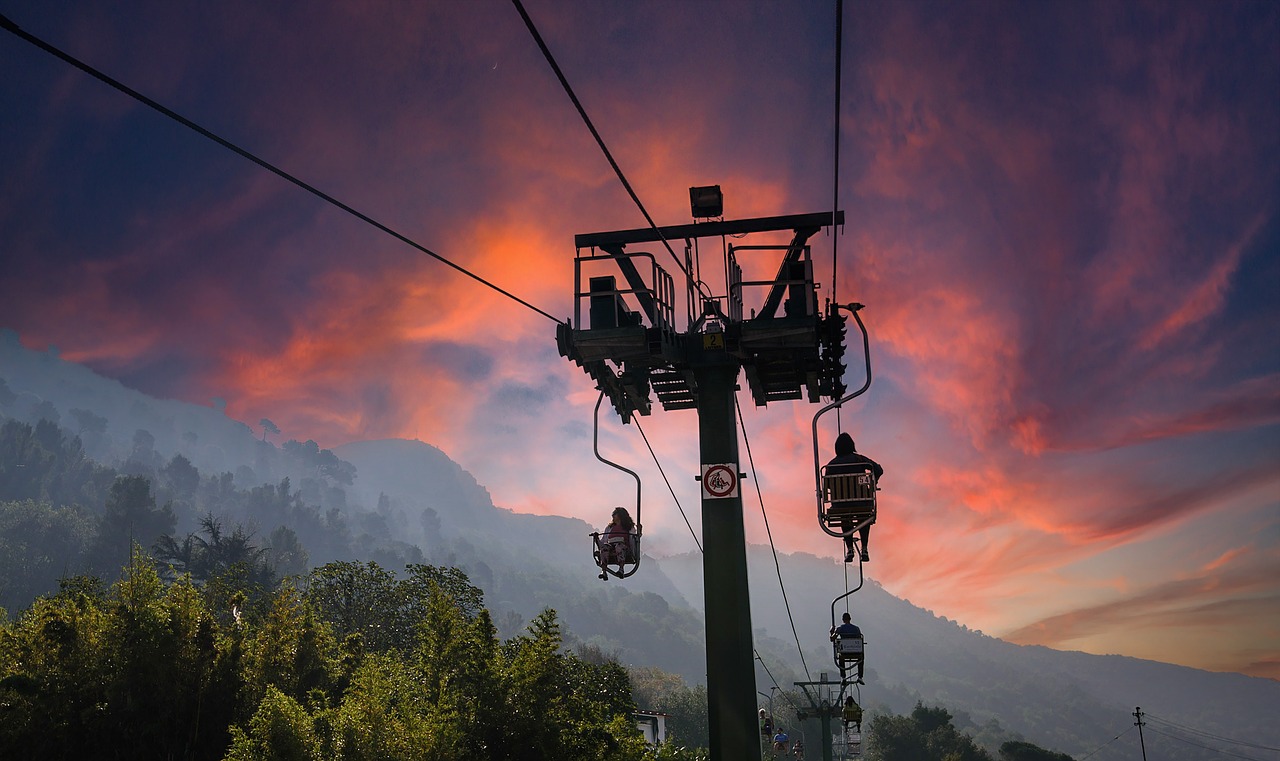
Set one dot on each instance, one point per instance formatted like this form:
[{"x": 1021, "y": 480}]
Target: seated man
[
  {"x": 848, "y": 642},
  {"x": 849, "y": 460}
]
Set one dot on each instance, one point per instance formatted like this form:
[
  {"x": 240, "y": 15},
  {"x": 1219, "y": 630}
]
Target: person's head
[
  {"x": 845, "y": 618},
  {"x": 622, "y": 518},
  {"x": 848, "y": 701},
  {"x": 844, "y": 445},
  {"x": 761, "y": 712}
]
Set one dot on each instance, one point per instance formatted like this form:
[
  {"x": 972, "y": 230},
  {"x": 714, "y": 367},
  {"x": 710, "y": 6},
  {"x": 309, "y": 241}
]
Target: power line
[
  {"x": 1205, "y": 747},
  {"x": 1210, "y": 735},
  {"x": 1105, "y": 744},
  {"x": 582, "y": 112},
  {"x": 769, "y": 532},
  {"x": 12, "y": 27},
  {"x": 668, "y": 482}
]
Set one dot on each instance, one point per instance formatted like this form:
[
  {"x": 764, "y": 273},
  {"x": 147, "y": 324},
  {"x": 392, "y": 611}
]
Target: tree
[
  {"x": 280, "y": 729},
  {"x": 88, "y": 422},
  {"x": 359, "y": 598},
  {"x": 181, "y": 476},
  {"x": 286, "y": 553},
  {"x": 130, "y": 516},
  {"x": 1016, "y": 750},
  {"x": 93, "y": 674},
  {"x": 38, "y": 545},
  {"x": 268, "y": 427},
  {"x": 926, "y": 735}
]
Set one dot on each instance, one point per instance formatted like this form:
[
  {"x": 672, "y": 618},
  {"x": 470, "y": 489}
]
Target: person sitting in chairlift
[
  {"x": 848, "y": 630},
  {"x": 615, "y": 540},
  {"x": 852, "y": 714},
  {"x": 847, "y": 460}
]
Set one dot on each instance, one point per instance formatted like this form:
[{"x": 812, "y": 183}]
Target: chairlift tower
[{"x": 631, "y": 346}]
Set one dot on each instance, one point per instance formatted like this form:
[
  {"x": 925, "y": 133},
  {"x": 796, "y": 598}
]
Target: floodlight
[{"x": 706, "y": 201}]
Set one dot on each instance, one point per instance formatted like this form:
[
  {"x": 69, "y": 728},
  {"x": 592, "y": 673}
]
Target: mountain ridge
[{"x": 1058, "y": 699}]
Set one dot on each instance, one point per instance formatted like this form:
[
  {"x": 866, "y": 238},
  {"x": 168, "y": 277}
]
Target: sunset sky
[{"x": 1063, "y": 219}]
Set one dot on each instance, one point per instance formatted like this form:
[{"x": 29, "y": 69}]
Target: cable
[
  {"x": 1210, "y": 735},
  {"x": 12, "y": 27},
  {"x": 582, "y": 112},
  {"x": 1198, "y": 745},
  {"x": 769, "y": 532},
  {"x": 835, "y": 194},
  {"x": 668, "y": 482},
  {"x": 1105, "y": 744},
  {"x": 765, "y": 666}
]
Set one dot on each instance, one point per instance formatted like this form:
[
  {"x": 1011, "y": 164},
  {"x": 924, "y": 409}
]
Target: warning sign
[{"x": 720, "y": 481}]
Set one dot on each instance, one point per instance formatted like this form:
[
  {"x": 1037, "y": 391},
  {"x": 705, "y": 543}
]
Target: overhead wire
[
  {"x": 13, "y": 28},
  {"x": 1204, "y": 747},
  {"x": 769, "y": 533},
  {"x": 1108, "y": 742},
  {"x": 1210, "y": 735},
  {"x": 668, "y": 482},
  {"x": 582, "y": 112}
]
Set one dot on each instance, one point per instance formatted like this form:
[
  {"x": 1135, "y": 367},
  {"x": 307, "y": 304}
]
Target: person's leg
[{"x": 865, "y": 532}]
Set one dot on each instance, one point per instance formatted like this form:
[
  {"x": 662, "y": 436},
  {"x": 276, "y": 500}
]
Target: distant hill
[{"x": 413, "y": 493}]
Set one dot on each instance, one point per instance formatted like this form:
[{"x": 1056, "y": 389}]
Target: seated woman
[{"x": 615, "y": 540}]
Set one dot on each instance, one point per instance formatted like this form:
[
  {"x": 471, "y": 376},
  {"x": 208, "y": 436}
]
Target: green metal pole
[{"x": 731, "y": 681}]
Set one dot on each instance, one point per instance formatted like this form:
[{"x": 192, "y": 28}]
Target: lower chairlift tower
[{"x": 786, "y": 347}]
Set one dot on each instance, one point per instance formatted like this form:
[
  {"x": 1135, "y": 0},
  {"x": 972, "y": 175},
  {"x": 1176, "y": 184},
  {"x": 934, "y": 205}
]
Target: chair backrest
[
  {"x": 849, "y": 645},
  {"x": 849, "y": 493}
]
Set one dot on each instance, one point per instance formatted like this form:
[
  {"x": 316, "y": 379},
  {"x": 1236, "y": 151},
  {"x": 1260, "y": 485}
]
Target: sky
[{"x": 1063, "y": 219}]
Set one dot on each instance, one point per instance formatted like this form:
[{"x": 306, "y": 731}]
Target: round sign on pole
[{"x": 720, "y": 480}]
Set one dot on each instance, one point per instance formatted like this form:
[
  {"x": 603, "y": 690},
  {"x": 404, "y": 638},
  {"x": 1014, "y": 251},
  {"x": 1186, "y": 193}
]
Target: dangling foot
[
  {"x": 865, "y": 557},
  {"x": 848, "y": 555}
]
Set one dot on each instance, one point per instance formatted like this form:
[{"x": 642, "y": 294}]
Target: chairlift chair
[
  {"x": 848, "y": 498},
  {"x": 617, "y": 554}
]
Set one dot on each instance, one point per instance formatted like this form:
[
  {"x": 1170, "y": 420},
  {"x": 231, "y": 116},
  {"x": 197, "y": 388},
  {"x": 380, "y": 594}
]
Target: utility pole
[
  {"x": 631, "y": 347},
  {"x": 1137, "y": 713}
]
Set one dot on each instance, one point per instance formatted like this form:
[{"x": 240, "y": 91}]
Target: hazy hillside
[{"x": 408, "y": 495}]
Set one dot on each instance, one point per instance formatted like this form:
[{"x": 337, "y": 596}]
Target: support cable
[
  {"x": 765, "y": 666},
  {"x": 668, "y": 482},
  {"x": 582, "y": 112},
  {"x": 769, "y": 532},
  {"x": 13, "y": 28},
  {"x": 835, "y": 193},
  {"x": 835, "y": 180}
]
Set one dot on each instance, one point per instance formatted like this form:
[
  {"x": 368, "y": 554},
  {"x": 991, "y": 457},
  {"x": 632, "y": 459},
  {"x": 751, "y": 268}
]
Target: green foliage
[
  {"x": 657, "y": 690},
  {"x": 85, "y": 672},
  {"x": 281, "y": 730},
  {"x": 1016, "y": 750},
  {"x": 37, "y": 544},
  {"x": 130, "y": 516},
  {"x": 152, "y": 669},
  {"x": 926, "y": 735},
  {"x": 359, "y": 598}
]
